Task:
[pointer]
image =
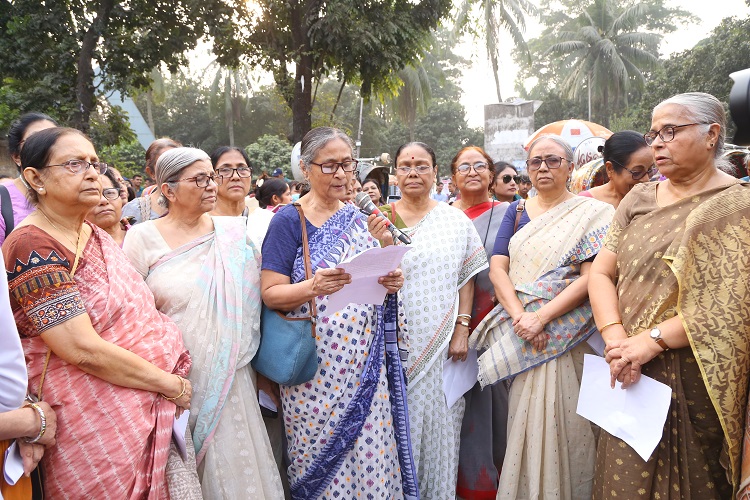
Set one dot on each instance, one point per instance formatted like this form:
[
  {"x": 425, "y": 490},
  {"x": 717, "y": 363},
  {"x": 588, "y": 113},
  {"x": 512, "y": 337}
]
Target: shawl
[
  {"x": 122, "y": 442},
  {"x": 220, "y": 320},
  {"x": 545, "y": 257},
  {"x": 712, "y": 264}
]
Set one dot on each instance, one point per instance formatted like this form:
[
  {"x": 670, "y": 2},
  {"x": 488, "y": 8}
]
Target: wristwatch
[{"x": 655, "y": 334}]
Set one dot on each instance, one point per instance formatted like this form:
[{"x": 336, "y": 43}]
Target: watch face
[{"x": 655, "y": 333}]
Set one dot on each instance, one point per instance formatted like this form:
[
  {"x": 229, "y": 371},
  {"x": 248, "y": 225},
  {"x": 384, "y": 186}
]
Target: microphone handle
[{"x": 396, "y": 232}]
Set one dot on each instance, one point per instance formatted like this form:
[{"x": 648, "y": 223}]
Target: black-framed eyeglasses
[
  {"x": 203, "y": 180},
  {"x": 507, "y": 178},
  {"x": 79, "y": 166},
  {"x": 111, "y": 193},
  {"x": 666, "y": 133},
  {"x": 330, "y": 167},
  {"x": 420, "y": 169},
  {"x": 478, "y": 167},
  {"x": 552, "y": 161},
  {"x": 228, "y": 172}
]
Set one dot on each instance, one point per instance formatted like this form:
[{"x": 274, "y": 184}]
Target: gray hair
[
  {"x": 704, "y": 109},
  {"x": 557, "y": 140},
  {"x": 170, "y": 165},
  {"x": 317, "y": 138}
]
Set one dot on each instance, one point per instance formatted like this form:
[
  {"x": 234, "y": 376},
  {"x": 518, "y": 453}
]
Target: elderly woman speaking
[
  {"x": 205, "y": 274},
  {"x": 347, "y": 428},
  {"x": 97, "y": 350},
  {"x": 671, "y": 298}
]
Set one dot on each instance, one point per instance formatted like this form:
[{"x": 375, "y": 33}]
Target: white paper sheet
[
  {"x": 365, "y": 268},
  {"x": 265, "y": 400},
  {"x": 459, "y": 377},
  {"x": 179, "y": 427},
  {"x": 13, "y": 468},
  {"x": 636, "y": 414}
]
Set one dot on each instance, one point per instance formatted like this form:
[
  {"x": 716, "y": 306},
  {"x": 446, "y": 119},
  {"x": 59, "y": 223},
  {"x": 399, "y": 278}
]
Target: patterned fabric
[
  {"x": 686, "y": 259},
  {"x": 211, "y": 288},
  {"x": 484, "y": 426},
  {"x": 558, "y": 241},
  {"x": 367, "y": 463},
  {"x": 45, "y": 290},
  {"x": 124, "y": 444},
  {"x": 446, "y": 254},
  {"x": 541, "y": 460}
]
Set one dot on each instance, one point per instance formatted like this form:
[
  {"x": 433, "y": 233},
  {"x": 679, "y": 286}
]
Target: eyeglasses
[
  {"x": 551, "y": 161},
  {"x": 203, "y": 180},
  {"x": 228, "y": 172},
  {"x": 78, "y": 166},
  {"x": 478, "y": 167},
  {"x": 111, "y": 193},
  {"x": 507, "y": 178},
  {"x": 666, "y": 133},
  {"x": 331, "y": 167},
  {"x": 637, "y": 174},
  {"x": 420, "y": 169}
]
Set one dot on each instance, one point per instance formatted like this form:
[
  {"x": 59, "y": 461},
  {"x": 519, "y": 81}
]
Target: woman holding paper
[
  {"x": 671, "y": 298},
  {"x": 446, "y": 255},
  {"x": 537, "y": 332},
  {"x": 347, "y": 428},
  {"x": 204, "y": 273},
  {"x": 484, "y": 427}
]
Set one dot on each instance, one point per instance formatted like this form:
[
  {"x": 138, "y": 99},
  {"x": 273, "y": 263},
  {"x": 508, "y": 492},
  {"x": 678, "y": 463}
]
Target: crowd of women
[{"x": 121, "y": 321}]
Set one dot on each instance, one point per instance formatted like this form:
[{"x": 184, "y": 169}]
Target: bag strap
[
  {"x": 306, "y": 257},
  {"x": 393, "y": 212},
  {"x": 6, "y": 207},
  {"x": 79, "y": 252},
  {"x": 519, "y": 210}
]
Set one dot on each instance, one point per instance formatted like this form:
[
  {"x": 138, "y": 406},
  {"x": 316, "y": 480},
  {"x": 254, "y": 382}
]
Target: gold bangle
[
  {"x": 601, "y": 330},
  {"x": 182, "y": 393},
  {"x": 539, "y": 318}
]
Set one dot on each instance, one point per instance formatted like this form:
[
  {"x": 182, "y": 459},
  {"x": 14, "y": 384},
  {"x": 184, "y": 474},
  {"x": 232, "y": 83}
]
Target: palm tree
[
  {"x": 233, "y": 85},
  {"x": 413, "y": 96},
  {"x": 607, "y": 54},
  {"x": 498, "y": 16}
]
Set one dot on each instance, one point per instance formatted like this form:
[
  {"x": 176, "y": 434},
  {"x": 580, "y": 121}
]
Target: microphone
[{"x": 363, "y": 201}]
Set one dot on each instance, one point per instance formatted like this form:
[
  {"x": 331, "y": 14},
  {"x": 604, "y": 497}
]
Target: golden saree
[{"x": 688, "y": 259}]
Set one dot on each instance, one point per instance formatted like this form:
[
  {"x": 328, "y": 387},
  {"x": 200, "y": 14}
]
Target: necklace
[{"x": 75, "y": 245}]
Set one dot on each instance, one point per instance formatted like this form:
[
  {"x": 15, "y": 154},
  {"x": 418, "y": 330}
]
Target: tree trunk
[
  {"x": 302, "y": 103},
  {"x": 85, "y": 78},
  {"x": 495, "y": 72},
  {"x": 338, "y": 98}
]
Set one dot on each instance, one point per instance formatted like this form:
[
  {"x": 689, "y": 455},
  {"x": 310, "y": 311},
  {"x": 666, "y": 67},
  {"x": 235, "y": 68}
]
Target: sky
[{"x": 479, "y": 86}]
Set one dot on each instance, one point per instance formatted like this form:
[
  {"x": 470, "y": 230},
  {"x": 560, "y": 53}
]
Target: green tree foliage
[
  {"x": 704, "y": 68},
  {"x": 55, "y": 48},
  {"x": 605, "y": 46},
  {"x": 497, "y": 16},
  {"x": 268, "y": 153},
  {"x": 360, "y": 41},
  {"x": 127, "y": 156}
]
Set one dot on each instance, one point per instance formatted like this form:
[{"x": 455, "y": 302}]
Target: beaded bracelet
[
  {"x": 42, "y": 417},
  {"x": 182, "y": 393}
]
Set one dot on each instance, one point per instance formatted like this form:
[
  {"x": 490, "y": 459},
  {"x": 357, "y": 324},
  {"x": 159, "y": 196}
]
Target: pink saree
[{"x": 112, "y": 442}]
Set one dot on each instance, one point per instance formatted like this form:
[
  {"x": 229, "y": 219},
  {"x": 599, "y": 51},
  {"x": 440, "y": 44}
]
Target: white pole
[{"x": 359, "y": 132}]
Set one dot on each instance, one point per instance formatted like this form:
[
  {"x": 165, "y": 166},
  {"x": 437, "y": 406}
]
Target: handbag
[{"x": 287, "y": 353}]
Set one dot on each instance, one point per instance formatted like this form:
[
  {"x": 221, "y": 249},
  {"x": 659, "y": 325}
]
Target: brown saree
[{"x": 689, "y": 259}]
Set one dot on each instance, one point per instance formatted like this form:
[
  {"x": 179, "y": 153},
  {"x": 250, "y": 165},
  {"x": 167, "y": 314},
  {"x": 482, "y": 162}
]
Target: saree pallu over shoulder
[
  {"x": 711, "y": 260},
  {"x": 221, "y": 319},
  {"x": 347, "y": 428},
  {"x": 446, "y": 253},
  {"x": 124, "y": 444},
  {"x": 546, "y": 256}
]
